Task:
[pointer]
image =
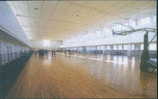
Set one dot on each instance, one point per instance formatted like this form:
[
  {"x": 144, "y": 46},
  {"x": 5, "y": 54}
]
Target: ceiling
[{"x": 60, "y": 20}]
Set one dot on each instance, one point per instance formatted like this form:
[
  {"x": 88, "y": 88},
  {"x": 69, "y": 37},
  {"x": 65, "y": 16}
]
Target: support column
[{"x": 145, "y": 54}]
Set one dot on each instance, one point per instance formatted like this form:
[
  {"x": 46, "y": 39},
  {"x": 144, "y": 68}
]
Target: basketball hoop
[
  {"x": 121, "y": 29},
  {"x": 127, "y": 29}
]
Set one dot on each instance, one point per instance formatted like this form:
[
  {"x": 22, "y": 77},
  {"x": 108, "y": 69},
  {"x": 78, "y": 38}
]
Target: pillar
[{"x": 145, "y": 54}]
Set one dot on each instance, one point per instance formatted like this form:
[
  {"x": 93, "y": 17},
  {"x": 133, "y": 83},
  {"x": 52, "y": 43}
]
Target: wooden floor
[{"x": 73, "y": 77}]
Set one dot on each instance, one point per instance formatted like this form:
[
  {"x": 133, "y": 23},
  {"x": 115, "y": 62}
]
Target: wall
[{"x": 9, "y": 23}]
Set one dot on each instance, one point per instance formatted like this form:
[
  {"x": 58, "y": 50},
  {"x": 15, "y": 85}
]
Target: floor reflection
[
  {"x": 48, "y": 58},
  {"x": 122, "y": 73},
  {"x": 83, "y": 76}
]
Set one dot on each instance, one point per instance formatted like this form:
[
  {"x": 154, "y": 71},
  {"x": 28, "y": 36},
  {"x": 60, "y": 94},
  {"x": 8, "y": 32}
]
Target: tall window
[{"x": 152, "y": 46}]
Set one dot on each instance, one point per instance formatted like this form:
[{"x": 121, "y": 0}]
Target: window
[
  {"x": 152, "y": 46},
  {"x": 132, "y": 47},
  {"x": 126, "y": 47},
  {"x": 115, "y": 47},
  {"x": 108, "y": 47},
  {"x": 142, "y": 46},
  {"x": 120, "y": 47},
  {"x": 145, "y": 21}
]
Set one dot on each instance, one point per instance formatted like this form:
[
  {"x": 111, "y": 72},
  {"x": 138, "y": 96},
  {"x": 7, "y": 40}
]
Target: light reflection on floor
[
  {"x": 121, "y": 72},
  {"x": 47, "y": 59},
  {"x": 63, "y": 76}
]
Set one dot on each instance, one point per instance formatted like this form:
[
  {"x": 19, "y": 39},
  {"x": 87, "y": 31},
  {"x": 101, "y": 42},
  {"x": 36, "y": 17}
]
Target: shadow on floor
[{"x": 9, "y": 73}]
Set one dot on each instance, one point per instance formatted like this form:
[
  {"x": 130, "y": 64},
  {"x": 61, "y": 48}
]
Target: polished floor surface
[{"x": 83, "y": 76}]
